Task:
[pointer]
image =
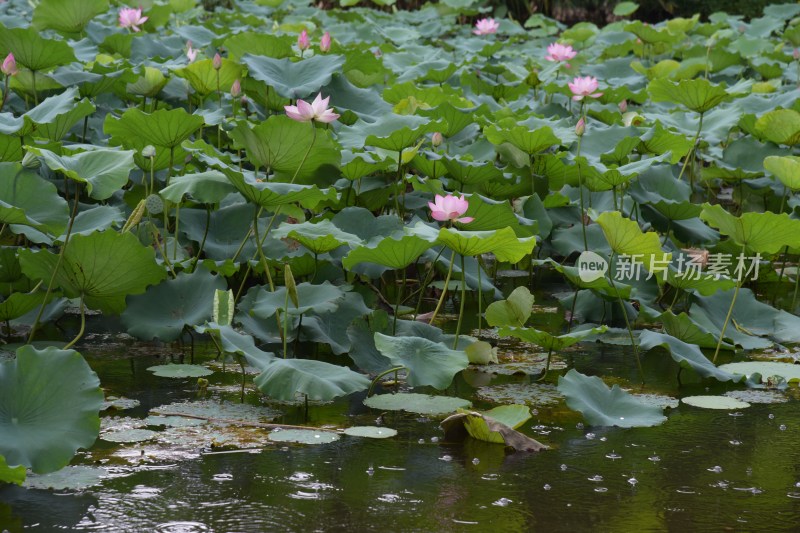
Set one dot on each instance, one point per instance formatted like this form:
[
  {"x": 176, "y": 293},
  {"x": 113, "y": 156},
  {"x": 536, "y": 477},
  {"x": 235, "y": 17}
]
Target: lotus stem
[
  {"x": 727, "y": 320},
  {"x": 379, "y": 376},
  {"x": 627, "y": 324},
  {"x": 480, "y": 294},
  {"x": 285, "y": 321},
  {"x": 547, "y": 365},
  {"x": 177, "y": 223},
  {"x": 693, "y": 149},
  {"x": 444, "y": 289},
  {"x": 202, "y": 242},
  {"x": 305, "y": 156},
  {"x": 426, "y": 281},
  {"x": 580, "y": 187},
  {"x": 80, "y": 331},
  {"x": 463, "y": 301}
]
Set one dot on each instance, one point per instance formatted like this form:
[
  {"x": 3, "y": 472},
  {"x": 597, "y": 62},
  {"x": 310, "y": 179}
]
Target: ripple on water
[{"x": 181, "y": 527}]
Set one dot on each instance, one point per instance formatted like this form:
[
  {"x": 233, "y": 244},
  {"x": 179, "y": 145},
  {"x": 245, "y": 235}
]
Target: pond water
[{"x": 701, "y": 470}]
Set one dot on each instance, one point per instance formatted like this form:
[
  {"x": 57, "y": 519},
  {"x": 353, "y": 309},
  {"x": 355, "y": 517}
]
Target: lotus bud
[
  {"x": 436, "y": 139},
  {"x": 9, "y": 67},
  {"x": 325, "y": 43},
  {"x": 303, "y": 42},
  {"x": 795, "y": 54},
  {"x": 236, "y": 89},
  {"x": 217, "y": 61},
  {"x": 136, "y": 216},
  {"x": 580, "y": 127},
  {"x": 149, "y": 151},
  {"x": 623, "y": 106}
]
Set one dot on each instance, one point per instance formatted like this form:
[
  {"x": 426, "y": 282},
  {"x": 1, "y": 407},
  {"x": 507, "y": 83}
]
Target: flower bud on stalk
[
  {"x": 436, "y": 139},
  {"x": 217, "y": 61},
  {"x": 580, "y": 127},
  {"x": 236, "y": 89}
]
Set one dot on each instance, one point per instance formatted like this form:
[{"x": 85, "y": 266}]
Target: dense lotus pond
[{"x": 704, "y": 469}]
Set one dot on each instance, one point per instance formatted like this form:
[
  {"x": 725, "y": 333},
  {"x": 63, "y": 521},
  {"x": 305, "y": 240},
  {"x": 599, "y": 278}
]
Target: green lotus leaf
[
  {"x": 356, "y": 165},
  {"x": 529, "y": 141},
  {"x": 57, "y": 129},
  {"x": 624, "y": 9},
  {"x": 371, "y": 432},
  {"x": 67, "y": 16},
  {"x": 699, "y": 94},
  {"x": 102, "y": 268},
  {"x": 271, "y": 195},
  {"x": 165, "y": 309},
  {"x": 103, "y": 171},
  {"x": 412, "y": 402},
  {"x": 456, "y": 118},
  {"x": 73, "y": 478},
  {"x": 683, "y": 328},
  {"x": 428, "y": 363},
  {"x": 33, "y": 51},
  {"x": 627, "y": 239},
  {"x": 205, "y": 79},
  {"x": 303, "y": 436},
  {"x": 29, "y": 200},
  {"x": 53, "y": 111},
  {"x": 548, "y": 341},
  {"x": 781, "y": 126},
  {"x": 237, "y": 343},
  {"x": 704, "y": 284},
  {"x": 281, "y": 144},
  {"x": 205, "y": 187},
  {"x": 319, "y": 237},
  {"x": 224, "y": 307},
  {"x": 481, "y": 353},
  {"x": 321, "y": 298},
  {"x": 49, "y": 405},
  {"x": 11, "y": 474},
  {"x": 257, "y": 44},
  {"x": 714, "y": 402},
  {"x": 503, "y": 243},
  {"x": 686, "y": 355},
  {"x": 766, "y": 369},
  {"x": 599, "y": 285},
  {"x": 785, "y": 168},
  {"x": 483, "y": 427},
  {"x": 18, "y": 304},
  {"x": 294, "y": 79},
  {"x": 166, "y": 128},
  {"x": 224, "y": 410},
  {"x": 471, "y": 172},
  {"x": 512, "y": 416},
  {"x": 758, "y": 232},
  {"x": 391, "y": 252},
  {"x": 603, "y": 406},
  {"x": 283, "y": 379},
  {"x": 331, "y": 327},
  {"x": 660, "y": 140},
  {"x": 173, "y": 370},
  {"x": 513, "y": 311},
  {"x": 149, "y": 84},
  {"x": 390, "y": 131},
  {"x": 651, "y": 35}
]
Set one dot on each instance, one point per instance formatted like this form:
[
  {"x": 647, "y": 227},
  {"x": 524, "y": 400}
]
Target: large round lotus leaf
[
  {"x": 206, "y": 79},
  {"x": 102, "y": 268},
  {"x": 33, "y": 51},
  {"x": 698, "y": 95},
  {"x": 180, "y": 371},
  {"x": 760, "y": 232},
  {"x": 102, "y": 171},
  {"x": 28, "y": 200},
  {"x": 283, "y": 379},
  {"x": 390, "y": 252},
  {"x": 714, "y": 402},
  {"x": 164, "y": 309},
  {"x": 129, "y": 435},
  {"x": 372, "y": 432},
  {"x": 319, "y": 298},
  {"x": 167, "y": 128},
  {"x": 781, "y": 126},
  {"x": 49, "y": 404},
  {"x": 303, "y": 436},
  {"x": 320, "y": 237},
  {"x": 65, "y": 15},
  {"x": 219, "y": 411},
  {"x": 767, "y": 369},
  {"x": 428, "y": 363},
  {"x": 604, "y": 406},
  {"x": 626, "y": 238},
  {"x": 503, "y": 243},
  {"x": 417, "y": 403},
  {"x": 68, "y": 478},
  {"x": 294, "y": 79}
]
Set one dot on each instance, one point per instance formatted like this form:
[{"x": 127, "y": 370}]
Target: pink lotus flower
[
  {"x": 191, "y": 53},
  {"x": 583, "y": 87},
  {"x": 486, "y": 26},
  {"x": 560, "y": 52},
  {"x": 450, "y": 207},
  {"x": 303, "y": 42},
  {"x": 325, "y": 43},
  {"x": 131, "y": 18},
  {"x": 9, "y": 67},
  {"x": 316, "y": 110}
]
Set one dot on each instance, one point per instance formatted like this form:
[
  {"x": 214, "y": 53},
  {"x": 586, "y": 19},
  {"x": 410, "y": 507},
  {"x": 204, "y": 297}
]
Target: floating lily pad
[
  {"x": 303, "y": 436},
  {"x": 121, "y": 403},
  {"x": 119, "y": 423},
  {"x": 417, "y": 403},
  {"x": 68, "y": 478},
  {"x": 180, "y": 371},
  {"x": 372, "y": 432},
  {"x": 533, "y": 394},
  {"x": 787, "y": 371},
  {"x": 714, "y": 402},
  {"x": 757, "y": 396},
  {"x": 129, "y": 435}
]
